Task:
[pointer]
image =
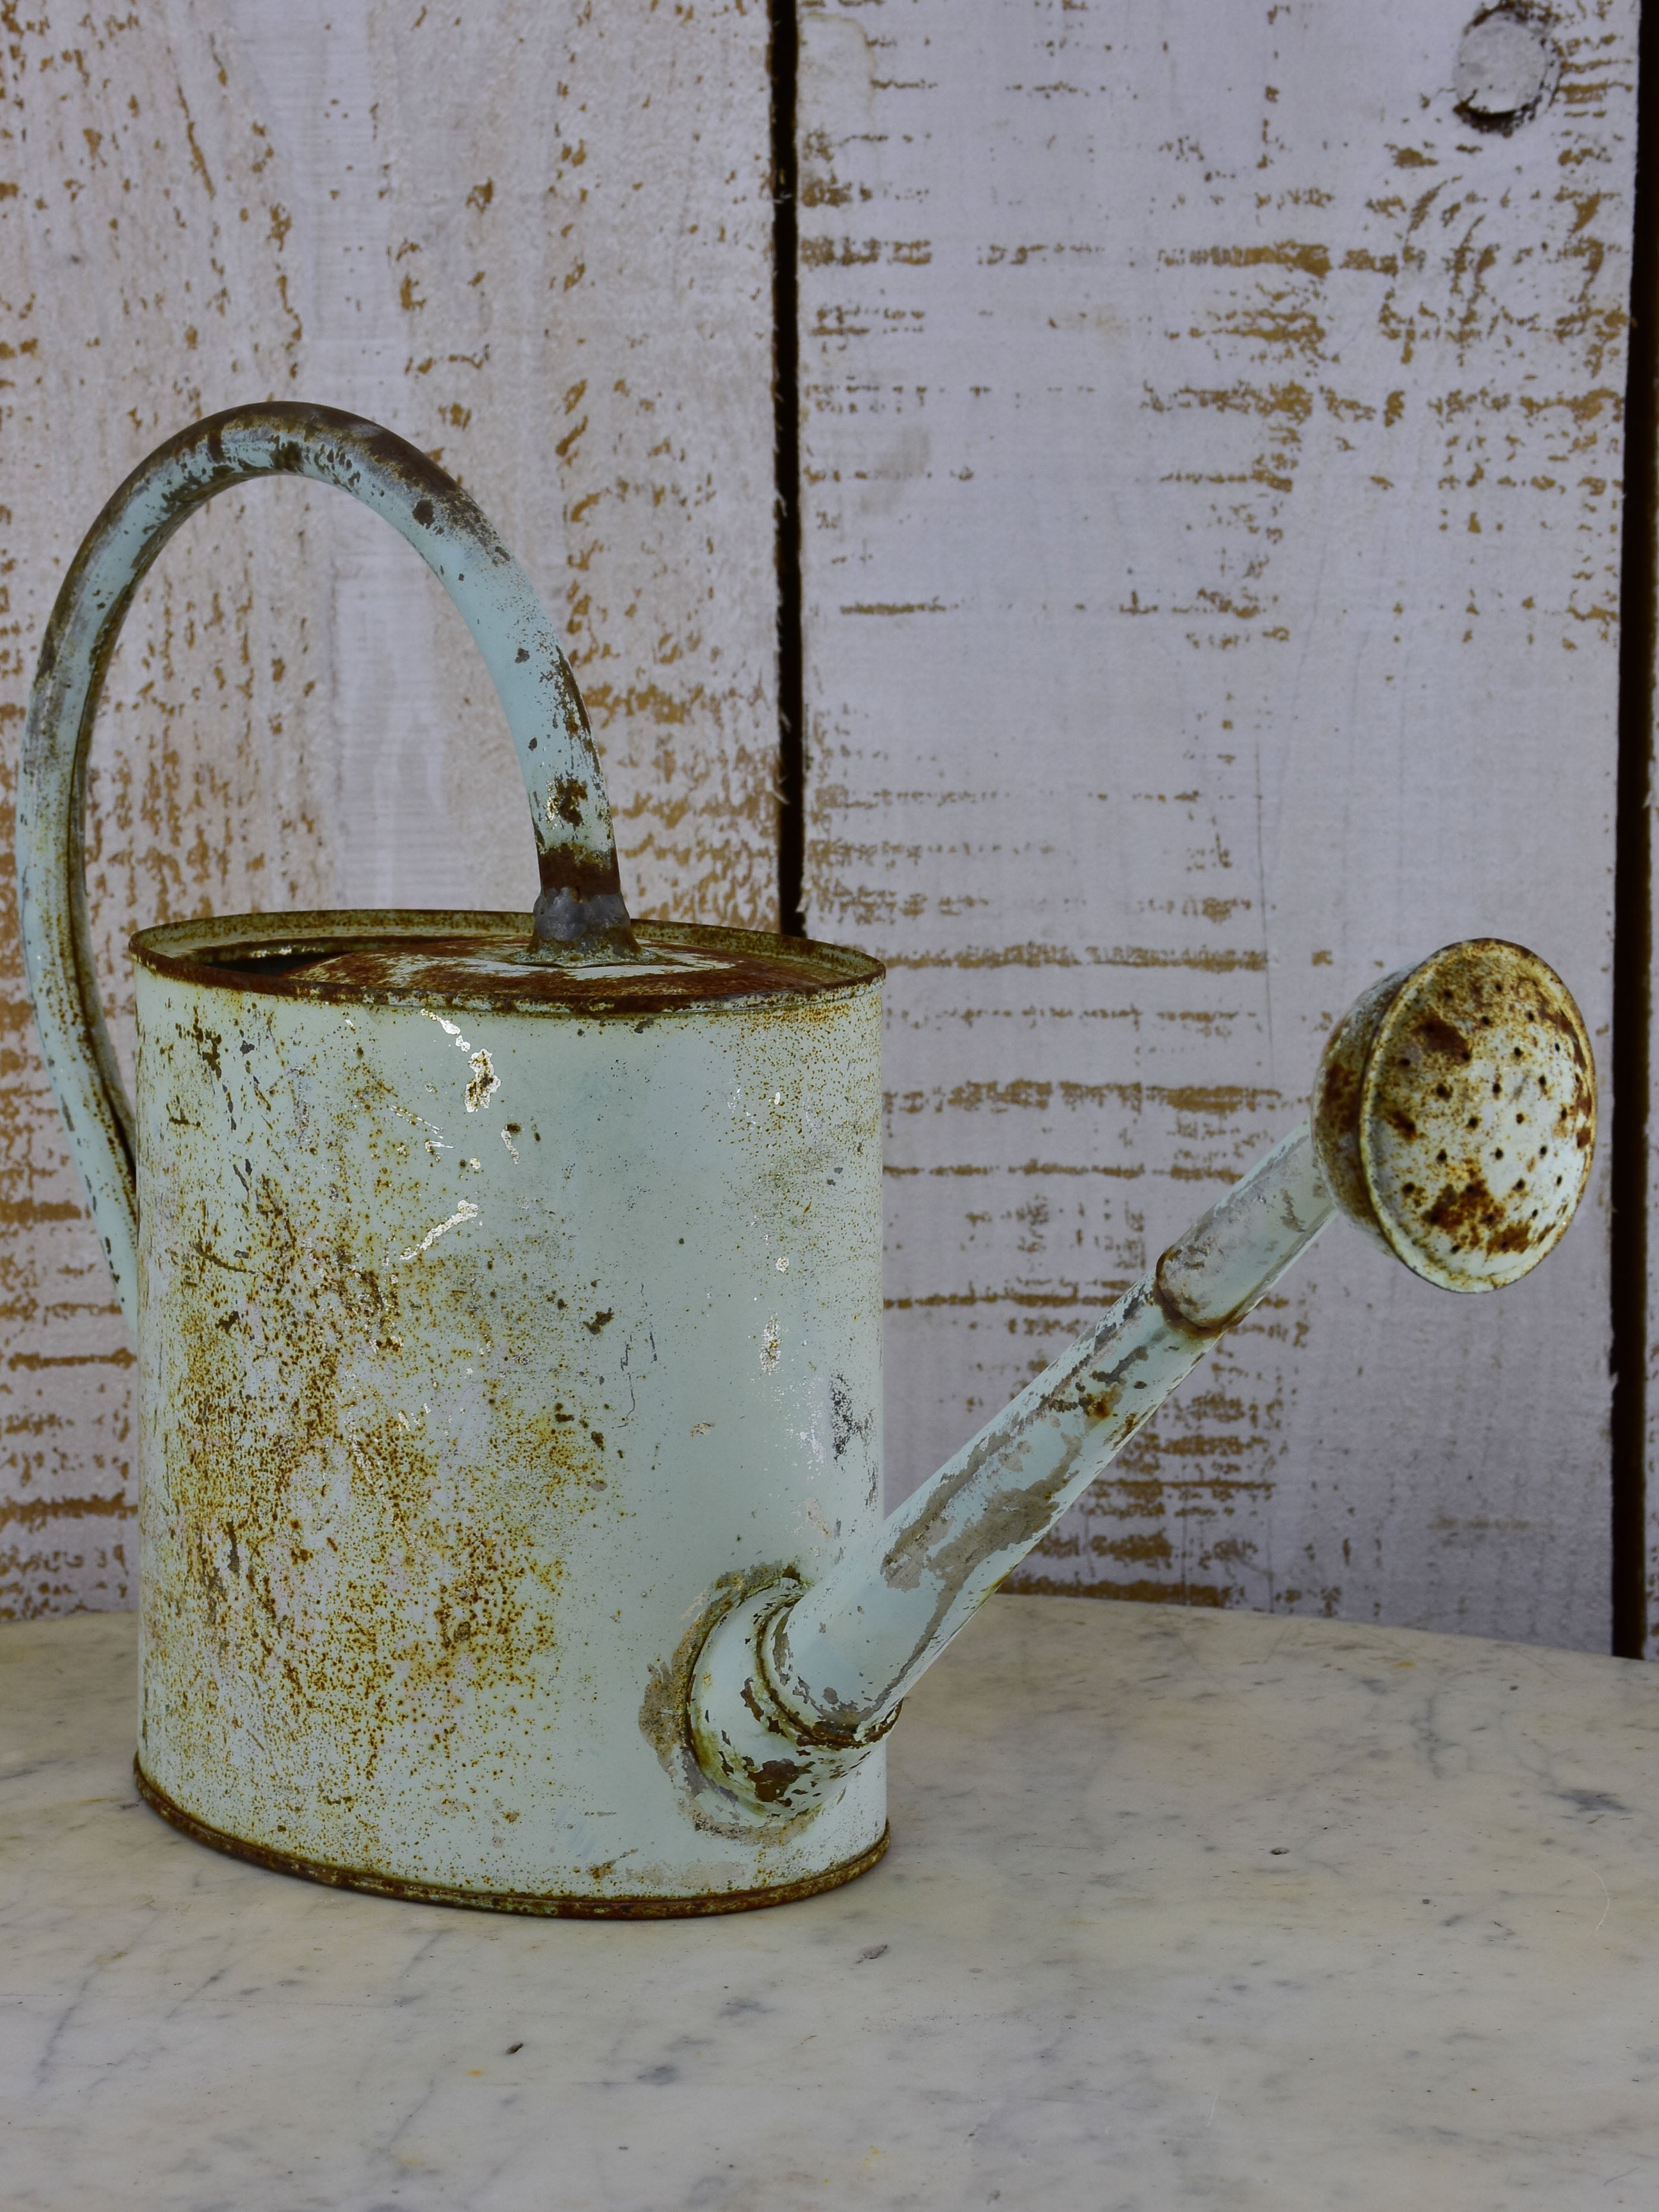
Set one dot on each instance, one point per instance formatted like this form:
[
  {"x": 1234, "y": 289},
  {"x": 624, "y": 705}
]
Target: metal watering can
[{"x": 508, "y": 1302}]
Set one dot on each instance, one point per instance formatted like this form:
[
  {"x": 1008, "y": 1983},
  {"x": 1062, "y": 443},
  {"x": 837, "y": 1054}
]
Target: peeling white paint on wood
[
  {"x": 1211, "y": 555},
  {"x": 1211, "y": 544},
  {"x": 534, "y": 240}
]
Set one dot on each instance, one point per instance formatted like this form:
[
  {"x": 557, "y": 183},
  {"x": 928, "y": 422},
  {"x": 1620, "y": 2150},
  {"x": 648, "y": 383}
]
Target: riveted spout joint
[{"x": 751, "y": 1741}]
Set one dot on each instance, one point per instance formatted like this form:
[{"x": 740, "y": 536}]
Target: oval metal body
[{"x": 500, "y": 1325}]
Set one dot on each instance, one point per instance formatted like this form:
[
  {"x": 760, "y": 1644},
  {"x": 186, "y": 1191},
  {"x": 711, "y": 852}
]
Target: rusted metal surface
[
  {"x": 477, "y": 963},
  {"x": 1456, "y": 1106},
  {"x": 1459, "y": 1101},
  {"x": 458, "y": 1401}
]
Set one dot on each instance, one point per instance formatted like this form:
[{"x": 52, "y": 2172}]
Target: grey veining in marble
[{"x": 1182, "y": 1910}]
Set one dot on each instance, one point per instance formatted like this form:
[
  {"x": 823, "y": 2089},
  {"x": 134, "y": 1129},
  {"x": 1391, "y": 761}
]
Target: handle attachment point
[{"x": 581, "y": 913}]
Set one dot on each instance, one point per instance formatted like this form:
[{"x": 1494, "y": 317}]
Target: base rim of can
[{"x": 533, "y": 1904}]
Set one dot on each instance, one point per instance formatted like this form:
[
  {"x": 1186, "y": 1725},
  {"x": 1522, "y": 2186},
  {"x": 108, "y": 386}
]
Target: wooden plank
[
  {"x": 1211, "y": 555},
  {"x": 536, "y": 241}
]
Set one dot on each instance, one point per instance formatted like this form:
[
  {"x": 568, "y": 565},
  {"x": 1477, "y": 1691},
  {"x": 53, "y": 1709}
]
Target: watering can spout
[{"x": 1452, "y": 1123}]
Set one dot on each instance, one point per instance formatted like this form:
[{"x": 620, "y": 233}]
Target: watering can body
[
  {"x": 507, "y": 1292},
  {"x": 492, "y": 1321}
]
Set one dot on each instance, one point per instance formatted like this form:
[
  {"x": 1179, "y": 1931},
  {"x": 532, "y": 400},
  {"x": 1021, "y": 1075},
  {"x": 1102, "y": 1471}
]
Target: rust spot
[
  {"x": 773, "y": 1779},
  {"x": 567, "y": 799},
  {"x": 1436, "y": 1034},
  {"x": 484, "y": 1083},
  {"x": 1456, "y": 1211},
  {"x": 209, "y": 1044}
]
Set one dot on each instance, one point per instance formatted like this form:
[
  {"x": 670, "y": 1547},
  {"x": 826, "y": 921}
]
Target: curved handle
[{"x": 580, "y": 911}]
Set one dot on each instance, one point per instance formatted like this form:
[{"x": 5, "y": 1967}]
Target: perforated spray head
[{"x": 1453, "y": 1116}]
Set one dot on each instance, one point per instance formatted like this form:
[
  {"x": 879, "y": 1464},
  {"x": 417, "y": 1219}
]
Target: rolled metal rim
[{"x": 547, "y": 1904}]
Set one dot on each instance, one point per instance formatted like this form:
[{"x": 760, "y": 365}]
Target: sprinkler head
[{"x": 1453, "y": 1116}]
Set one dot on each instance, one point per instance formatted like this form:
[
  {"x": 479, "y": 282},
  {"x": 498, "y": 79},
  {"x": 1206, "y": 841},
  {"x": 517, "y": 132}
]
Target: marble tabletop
[{"x": 1182, "y": 1909}]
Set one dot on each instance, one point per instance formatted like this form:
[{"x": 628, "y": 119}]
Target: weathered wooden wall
[
  {"x": 1212, "y": 445},
  {"x": 1210, "y": 531},
  {"x": 535, "y": 239}
]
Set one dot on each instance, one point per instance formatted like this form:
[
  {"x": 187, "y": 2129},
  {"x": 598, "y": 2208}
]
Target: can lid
[{"x": 481, "y": 962}]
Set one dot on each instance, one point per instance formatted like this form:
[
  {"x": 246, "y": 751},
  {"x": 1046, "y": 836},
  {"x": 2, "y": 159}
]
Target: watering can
[{"x": 507, "y": 1294}]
